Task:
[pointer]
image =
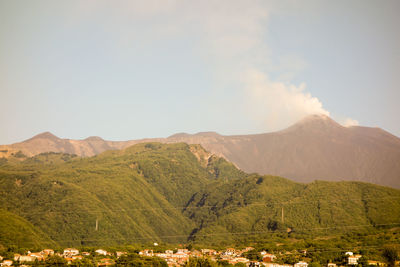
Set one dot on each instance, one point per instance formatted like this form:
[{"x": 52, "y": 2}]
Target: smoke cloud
[
  {"x": 350, "y": 122},
  {"x": 236, "y": 36},
  {"x": 231, "y": 37},
  {"x": 279, "y": 104}
]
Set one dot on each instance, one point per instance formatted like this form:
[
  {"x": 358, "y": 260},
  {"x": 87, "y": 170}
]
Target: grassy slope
[
  {"x": 15, "y": 230},
  {"x": 254, "y": 205},
  {"x": 136, "y": 194},
  {"x": 152, "y": 192}
]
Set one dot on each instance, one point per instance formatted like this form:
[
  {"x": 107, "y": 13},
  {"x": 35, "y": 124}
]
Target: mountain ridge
[{"x": 314, "y": 148}]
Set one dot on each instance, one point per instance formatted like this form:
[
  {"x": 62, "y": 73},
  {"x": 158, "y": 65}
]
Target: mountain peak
[
  {"x": 45, "y": 135},
  {"x": 201, "y": 134},
  {"x": 316, "y": 118},
  {"x": 179, "y": 135},
  {"x": 94, "y": 138},
  {"x": 208, "y": 134},
  {"x": 315, "y": 122}
]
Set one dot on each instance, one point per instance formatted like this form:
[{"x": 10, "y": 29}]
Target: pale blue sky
[{"x": 134, "y": 69}]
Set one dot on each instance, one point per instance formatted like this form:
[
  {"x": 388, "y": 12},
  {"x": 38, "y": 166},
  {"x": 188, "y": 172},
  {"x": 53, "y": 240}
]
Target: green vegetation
[
  {"x": 19, "y": 154},
  {"x": 178, "y": 193},
  {"x": 17, "y": 231},
  {"x": 136, "y": 260},
  {"x": 254, "y": 205},
  {"x": 201, "y": 262},
  {"x": 391, "y": 255}
]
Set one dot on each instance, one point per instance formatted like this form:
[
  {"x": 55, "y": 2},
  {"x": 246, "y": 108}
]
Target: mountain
[
  {"x": 314, "y": 148},
  {"x": 132, "y": 195},
  {"x": 47, "y": 142},
  {"x": 154, "y": 192}
]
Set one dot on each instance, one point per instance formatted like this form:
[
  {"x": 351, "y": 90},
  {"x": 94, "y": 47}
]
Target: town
[{"x": 170, "y": 257}]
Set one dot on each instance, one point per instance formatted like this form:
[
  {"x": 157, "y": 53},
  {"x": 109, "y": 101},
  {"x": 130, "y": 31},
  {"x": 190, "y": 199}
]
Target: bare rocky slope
[{"x": 315, "y": 148}]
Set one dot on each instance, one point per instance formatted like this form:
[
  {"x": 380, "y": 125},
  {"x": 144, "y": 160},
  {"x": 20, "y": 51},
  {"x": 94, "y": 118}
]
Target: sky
[{"x": 135, "y": 69}]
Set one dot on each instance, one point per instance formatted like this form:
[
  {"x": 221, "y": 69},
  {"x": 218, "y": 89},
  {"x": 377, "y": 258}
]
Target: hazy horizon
[{"x": 129, "y": 70}]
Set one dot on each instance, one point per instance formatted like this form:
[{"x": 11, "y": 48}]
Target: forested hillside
[
  {"x": 175, "y": 193},
  {"x": 262, "y": 205}
]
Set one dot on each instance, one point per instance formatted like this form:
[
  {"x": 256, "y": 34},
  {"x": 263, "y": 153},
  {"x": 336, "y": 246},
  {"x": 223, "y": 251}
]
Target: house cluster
[
  {"x": 176, "y": 257},
  {"x": 29, "y": 257},
  {"x": 69, "y": 254},
  {"x": 234, "y": 256},
  {"x": 231, "y": 255}
]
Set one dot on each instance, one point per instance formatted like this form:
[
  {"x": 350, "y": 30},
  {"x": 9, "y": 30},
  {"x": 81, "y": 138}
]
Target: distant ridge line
[{"x": 315, "y": 148}]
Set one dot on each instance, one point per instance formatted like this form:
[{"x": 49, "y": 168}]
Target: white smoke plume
[
  {"x": 348, "y": 122},
  {"x": 232, "y": 39},
  {"x": 279, "y": 104}
]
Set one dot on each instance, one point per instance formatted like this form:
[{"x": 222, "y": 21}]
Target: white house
[
  {"x": 301, "y": 264},
  {"x": 24, "y": 258},
  {"x": 147, "y": 252},
  {"x": 183, "y": 250},
  {"x": 121, "y": 253},
  {"x": 101, "y": 252},
  {"x": 353, "y": 260},
  {"x": 6, "y": 263},
  {"x": 71, "y": 251}
]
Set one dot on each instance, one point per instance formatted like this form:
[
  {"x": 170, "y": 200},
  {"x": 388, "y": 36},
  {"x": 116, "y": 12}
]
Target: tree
[
  {"x": 19, "y": 154},
  {"x": 314, "y": 264},
  {"x": 253, "y": 255},
  {"x": 391, "y": 255},
  {"x": 85, "y": 262},
  {"x": 200, "y": 262},
  {"x": 363, "y": 261},
  {"x": 56, "y": 261},
  {"x": 136, "y": 260}
]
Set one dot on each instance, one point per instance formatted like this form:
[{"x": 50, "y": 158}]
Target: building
[
  {"x": 47, "y": 252},
  {"x": 230, "y": 252},
  {"x": 120, "y": 253},
  {"x": 71, "y": 252},
  {"x": 301, "y": 264},
  {"x": 23, "y": 258},
  {"x": 353, "y": 260},
  {"x": 77, "y": 257},
  {"x": 268, "y": 257},
  {"x": 6, "y": 263},
  {"x": 101, "y": 252},
  {"x": 106, "y": 262},
  {"x": 183, "y": 250},
  {"x": 208, "y": 252},
  {"x": 146, "y": 252},
  {"x": 37, "y": 256}
]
